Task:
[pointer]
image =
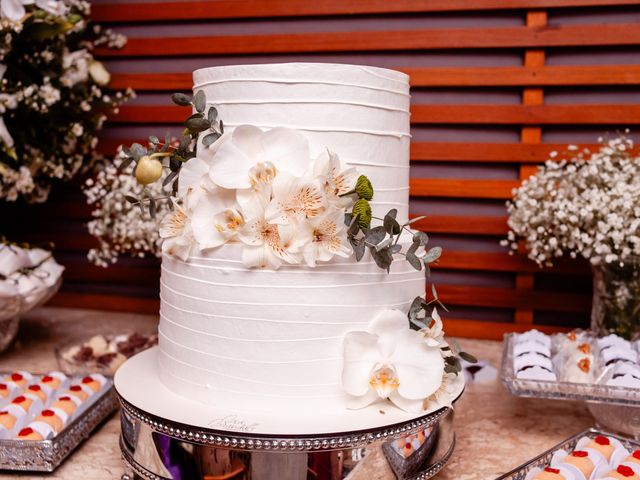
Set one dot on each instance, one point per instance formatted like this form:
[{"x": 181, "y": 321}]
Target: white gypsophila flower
[
  {"x": 75, "y": 67},
  {"x": 585, "y": 206},
  {"x": 77, "y": 129}
]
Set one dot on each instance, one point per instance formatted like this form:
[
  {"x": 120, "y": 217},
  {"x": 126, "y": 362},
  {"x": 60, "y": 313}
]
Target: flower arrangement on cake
[
  {"x": 50, "y": 79},
  {"x": 262, "y": 192}
]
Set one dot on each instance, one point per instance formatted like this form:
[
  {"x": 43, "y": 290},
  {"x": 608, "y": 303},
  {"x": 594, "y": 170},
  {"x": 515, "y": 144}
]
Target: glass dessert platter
[
  {"x": 569, "y": 444},
  {"x": 12, "y": 307},
  {"x": 232, "y": 446},
  {"x": 616, "y": 408},
  {"x": 47, "y": 455}
]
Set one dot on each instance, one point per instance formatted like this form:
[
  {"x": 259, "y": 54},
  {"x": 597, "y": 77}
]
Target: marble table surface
[{"x": 495, "y": 431}]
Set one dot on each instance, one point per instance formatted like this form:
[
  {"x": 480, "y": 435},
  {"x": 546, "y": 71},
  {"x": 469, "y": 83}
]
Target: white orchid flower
[
  {"x": 390, "y": 360},
  {"x": 215, "y": 218},
  {"x": 177, "y": 233},
  {"x": 336, "y": 179},
  {"x": 434, "y": 332},
  {"x": 326, "y": 238},
  {"x": 12, "y": 9},
  {"x": 287, "y": 150},
  {"x": 294, "y": 200}
]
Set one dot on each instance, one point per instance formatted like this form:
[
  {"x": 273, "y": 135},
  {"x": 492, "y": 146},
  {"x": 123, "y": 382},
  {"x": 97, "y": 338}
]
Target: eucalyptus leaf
[
  {"x": 169, "y": 178},
  {"x": 221, "y": 127},
  {"x": 184, "y": 142},
  {"x": 395, "y": 249},
  {"x": 382, "y": 258},
  {"x": 432, "y": 255},
  {"x": 181, "y": 99},
  {"x": 347, "y": 219},
  {"x": 152, "y": 208},
  {"x": 417, "y": 324},
  {"x": 210, "y": 138},
  {"x": 467, "y": 357},
  {"x": 354, "y": 228},
  {"x": 390, "y": 224},
  {"x": 450, "y": 369},
  {"x": 138, "y": 151},
  {"x": 375, "y": 235},
  {"x": 200, "y": 101},
  {"x": 197, "y": 124},
  {"x": 416, "y": 307},
  {"x": 386, "y": 243},
  {"x": 420, "y": 238},
  {"x": 131, "y": 199},
  {"x": 212, "y": 115},
  {"x": 359, "y": 250},
  {"x": 153, "y": 139},
  {"x": 126, "y": 162},
  {"x": 414, "y": 261}
]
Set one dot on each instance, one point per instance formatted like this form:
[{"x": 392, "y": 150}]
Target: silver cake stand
[{"x": 156, "y": 447}]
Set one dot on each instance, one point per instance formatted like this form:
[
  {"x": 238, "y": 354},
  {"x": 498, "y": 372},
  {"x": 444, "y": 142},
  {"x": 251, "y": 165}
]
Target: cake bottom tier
[{"x": 252, "y": 339}]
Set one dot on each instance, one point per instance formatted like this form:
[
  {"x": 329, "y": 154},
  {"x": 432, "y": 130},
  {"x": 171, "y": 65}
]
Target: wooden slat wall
[{"x": 497, "y": 85}]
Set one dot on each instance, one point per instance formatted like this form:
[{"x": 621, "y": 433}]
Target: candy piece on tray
[
  {"x": 632, "y": 465},
  {"x": 28, "y": 402},
  {"x": 20, "y": 378},
  {"x": 577, "y": 369},
  {"x": 585, "y": 461},
  {"x": 613, "y": 340},
  {"x": 41, "y": 391},
  {"x": 634, "y": 457},
  {"x": 94, "y": 381},
  {"x": 54, "y": 417},
  {"x": 81, "y": 392},
  {"x": 532, "y": 360},
  {"x": 624, "y": 375},
  {"x": 616, "y": 353},
  {"x": 551, "y": 473},
  {"x": 13, "y": 417},
  {"x": 534, "y": 336},
  {"x": 9, "y": 391},
  {"x": 530, "y": 346},
  {"x": 623, "y": 472},
  {"x": 55, "y": 380},
  {"x": 36, "y": 431},
  {"x": 536, "y": 373},
  {"x": 67, "y": 403}
]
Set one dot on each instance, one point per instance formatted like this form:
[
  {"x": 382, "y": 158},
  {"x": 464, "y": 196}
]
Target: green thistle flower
[
  {"x": 363, "y": 210},
  {"x": 364, "y": 189}
]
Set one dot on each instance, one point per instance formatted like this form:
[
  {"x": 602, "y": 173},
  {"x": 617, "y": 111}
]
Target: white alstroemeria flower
[
  {"x": 177, "y": 233},
  {"x": 261, "y": 176},
  {"x": 13, "y": 258},
  {"x": 215, "y": 218},
  {"x": 390, "y": 360},
  {"x": 266, "y": 244},
  {"x": 294, "y": 199},
  {"x": 326, "y": 237},
  {"x": 287, "y": 150},
  {"x": 434, "y": 333},
  {"x": 336, "y": 179}
]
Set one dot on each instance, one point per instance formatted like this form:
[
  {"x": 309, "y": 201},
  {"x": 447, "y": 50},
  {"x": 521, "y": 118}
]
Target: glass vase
[{"x": 616, "y": 299}]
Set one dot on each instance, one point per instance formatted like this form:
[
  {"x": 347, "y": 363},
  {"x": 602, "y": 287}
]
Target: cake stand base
[{"x": 158, "y": 444}]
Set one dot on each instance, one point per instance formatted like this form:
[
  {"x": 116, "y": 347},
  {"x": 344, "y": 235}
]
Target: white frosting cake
[{"x": 264, "y": 338}]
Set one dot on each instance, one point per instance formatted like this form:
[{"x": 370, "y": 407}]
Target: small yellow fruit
[{"x": 148, "y": 170}]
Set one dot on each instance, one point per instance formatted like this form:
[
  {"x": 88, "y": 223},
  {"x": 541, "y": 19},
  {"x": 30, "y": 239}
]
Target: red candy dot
[
  {"x": 4, "y": 412},
  {"x": 35, "y": 388},
  {"x": 407, "y": 445},
  {"x": 75, "y": 388},
  {"x": 25, "y": 431},
  {"x": 636, "y": 454},
  {"x": 3, "y": 386},
  {"x": 48, "y": 413},
  {"x": 65, "y": 399},
  {"x": 16, "y": 377},
  {"x": 552, "y": 470},
  {"x": 579, "y": 453},
  {"x": 47, "y": 379},
  {"x": 19, "y": 399},
  {"x": 625, "y": 471},
  {"x": 87, "y": 380},
  {"x": 602, "y": 440}
]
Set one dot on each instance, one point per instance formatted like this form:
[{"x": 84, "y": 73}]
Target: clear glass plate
[{"x": 589, "y": 392}]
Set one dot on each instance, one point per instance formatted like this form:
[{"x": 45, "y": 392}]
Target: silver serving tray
[
  {"x": 47, "y": 455},
  {"x": 589, "y": 392},
  {"x": 569, "y": 444}
]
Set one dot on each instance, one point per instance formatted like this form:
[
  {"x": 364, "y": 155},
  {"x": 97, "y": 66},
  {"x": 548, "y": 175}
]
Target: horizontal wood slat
[
  {"x": 223, "y": 9},
  {"x": 443, "y": 114},
  {"x": 488, "y": 152},
  {"x": 491, "y": 330},
  {"x": 513, "y": 297},
  {"x": 527, "y": 114},
  {"x": 462, "y": 188},
  {"x": 476, "y": 225},
  {"x": 433, "y": 39},
  {"x": 436, "y": 77},
  {"x": 112, "y": 303}
]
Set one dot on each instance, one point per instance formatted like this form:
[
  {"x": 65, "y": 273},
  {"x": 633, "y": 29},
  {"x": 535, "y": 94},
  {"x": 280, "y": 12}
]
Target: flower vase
[{"x": 616, "y": 299}]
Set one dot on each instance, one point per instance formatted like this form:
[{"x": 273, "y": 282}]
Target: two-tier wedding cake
[{"x": 290, "y": 275}]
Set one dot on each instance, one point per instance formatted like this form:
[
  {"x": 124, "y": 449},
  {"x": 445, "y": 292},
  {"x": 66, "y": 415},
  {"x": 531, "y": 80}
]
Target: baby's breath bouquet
[
  {"x": 54, "y": 94},
  {"x": 588, "y": 205}
]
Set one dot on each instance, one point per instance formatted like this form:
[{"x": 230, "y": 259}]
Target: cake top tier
[{"x": 376, "y": 78}]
